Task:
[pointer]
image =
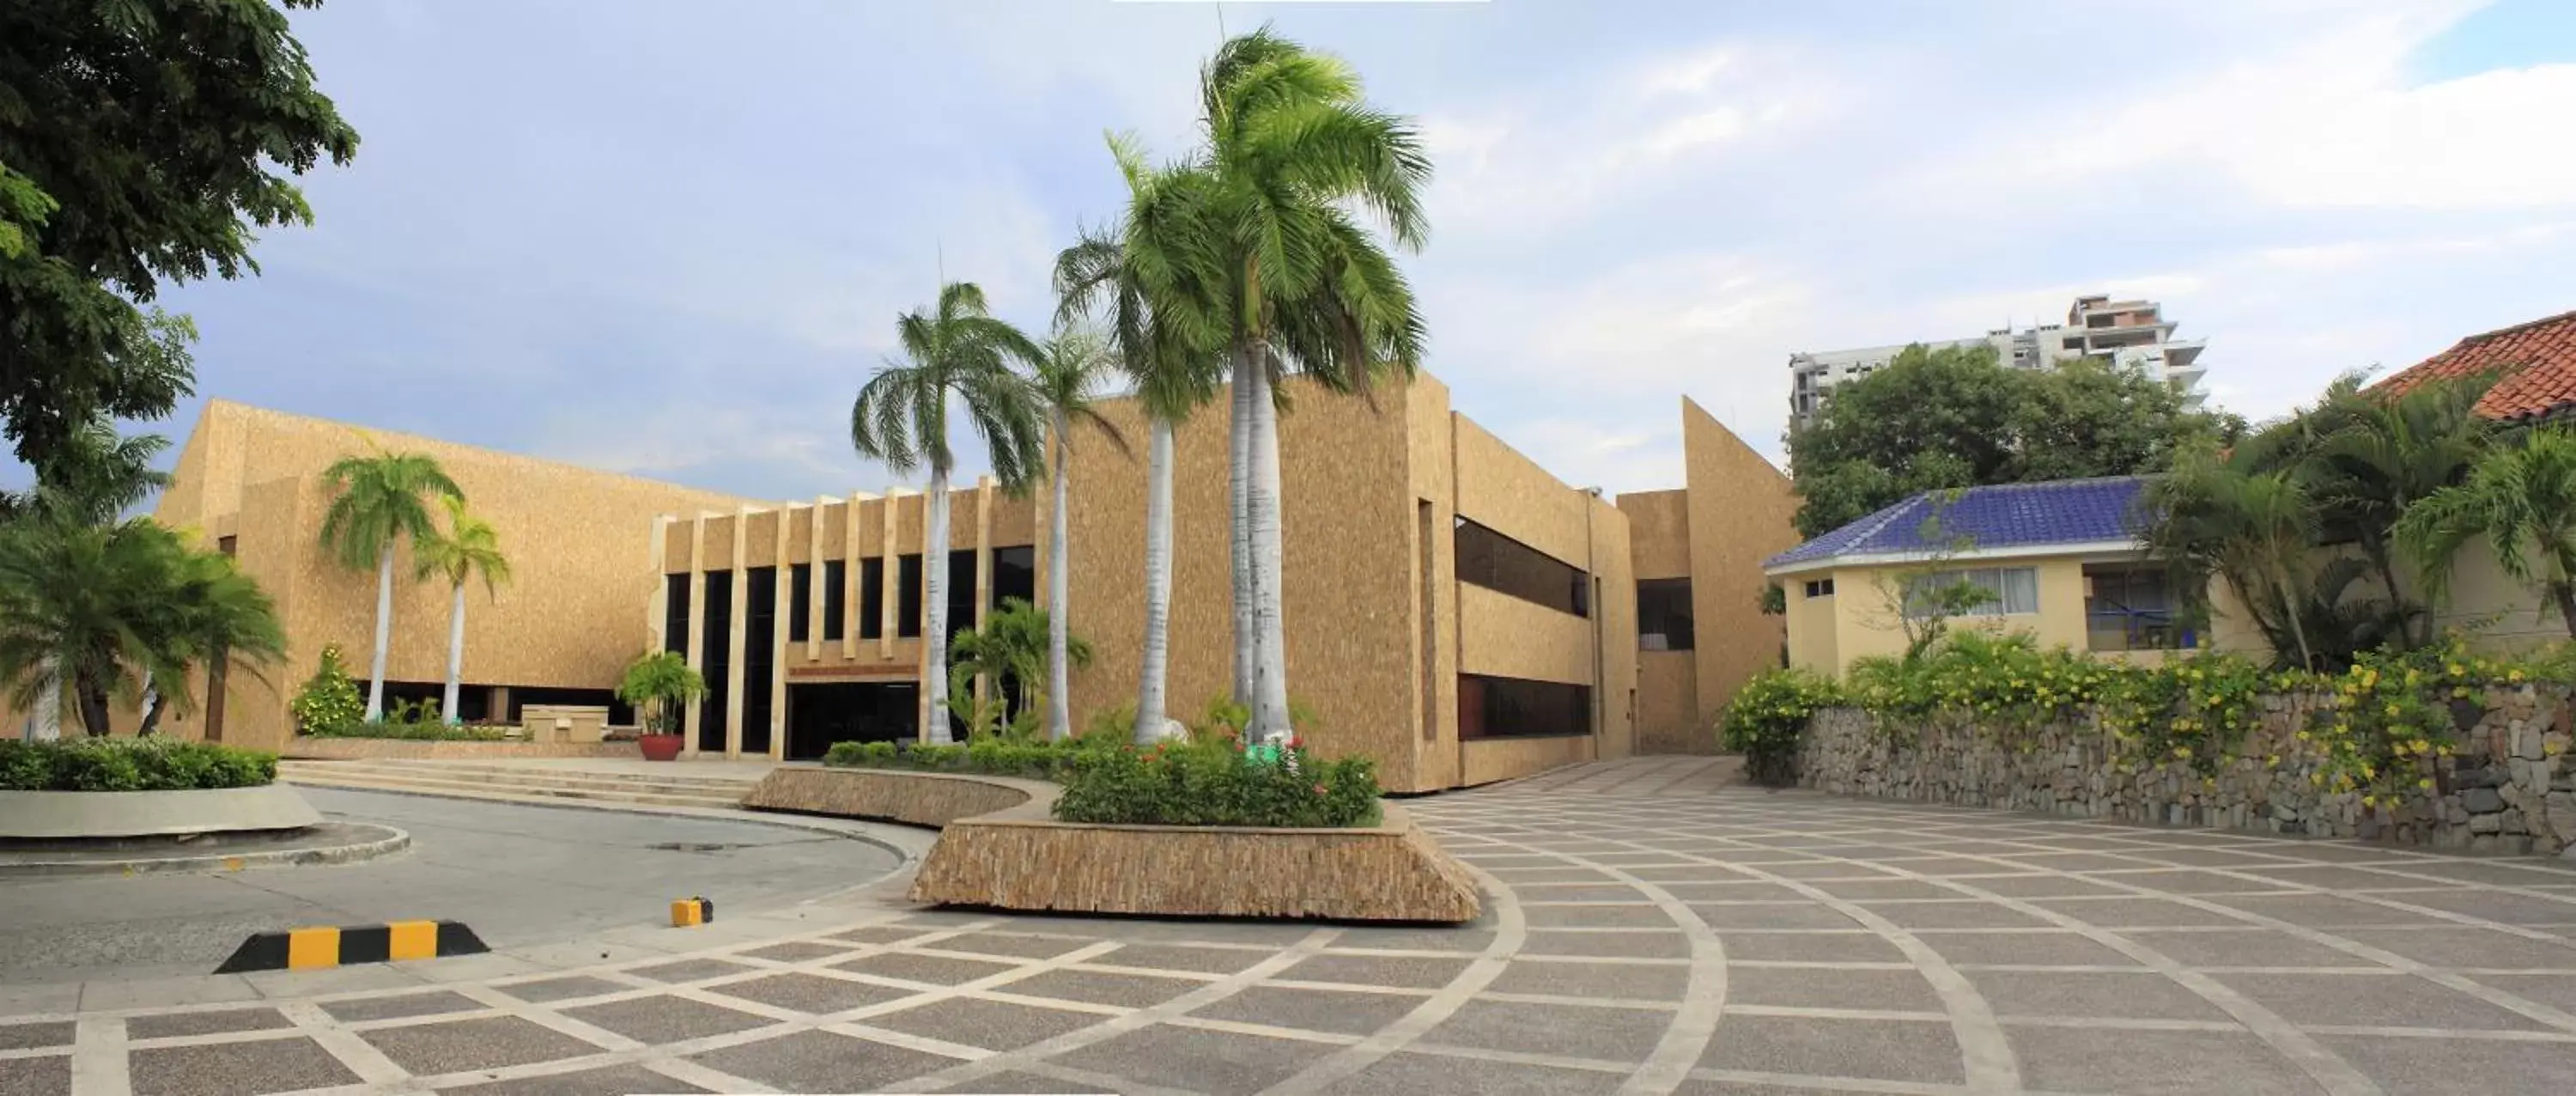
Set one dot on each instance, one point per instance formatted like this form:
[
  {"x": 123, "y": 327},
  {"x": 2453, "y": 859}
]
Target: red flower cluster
[{"x": 1319, "y": 789}]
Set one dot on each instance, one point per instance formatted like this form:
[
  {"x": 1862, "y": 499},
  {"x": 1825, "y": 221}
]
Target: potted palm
[{"x": 659, "y": 684}]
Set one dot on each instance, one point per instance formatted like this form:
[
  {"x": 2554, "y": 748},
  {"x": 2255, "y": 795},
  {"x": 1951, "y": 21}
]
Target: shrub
[
  {"x": 329, "y": 700},
  {"x": 1215, "y": 783},
  {"x": 1768, "y": 719},
  {"x": 992, "y": 755},
  {"x": 130, "y": 765},
  {"x": 415, "y": 722}
]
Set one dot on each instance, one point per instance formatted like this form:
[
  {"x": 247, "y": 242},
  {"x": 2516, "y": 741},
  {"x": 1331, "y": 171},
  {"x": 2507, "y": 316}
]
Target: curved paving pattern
[{"x": 1652, "y": 929}]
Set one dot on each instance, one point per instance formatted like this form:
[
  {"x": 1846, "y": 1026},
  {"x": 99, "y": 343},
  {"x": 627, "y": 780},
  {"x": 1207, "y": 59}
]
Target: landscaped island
[
  {"x": 139, "y": 787},
  {"x": 1197, "y": 827}
]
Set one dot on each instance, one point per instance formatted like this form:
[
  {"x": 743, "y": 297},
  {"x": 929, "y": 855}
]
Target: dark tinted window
[
  {"x": 715, "y": 660},
  {"x": 1015, "y": 574},
  {"x": 1511, "y": 707},
  {"x": 759, "y": 657},
  {"x": 961, "y": 593},
  {"x": 800, "y": 602},
  {"x": 1664, "y": 614},
  {"x": 836, "y": 593},
  {"x": 907, "y": 601},
  {"x": 675, "y": 616},
  {"x": 1499, "y": 563}
]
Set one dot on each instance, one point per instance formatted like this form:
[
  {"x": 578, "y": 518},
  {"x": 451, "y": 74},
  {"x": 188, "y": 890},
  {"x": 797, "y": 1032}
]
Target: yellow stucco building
[{"x": 1453, "y": 610}]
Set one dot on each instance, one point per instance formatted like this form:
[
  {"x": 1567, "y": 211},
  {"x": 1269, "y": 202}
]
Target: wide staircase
[{"x": 526, "y": 783}]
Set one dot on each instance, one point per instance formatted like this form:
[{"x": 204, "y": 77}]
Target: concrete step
[
  {"x": 480, "y": 789},
  {"x": 679, "y": 777},
  {"x": 541, "y": 781}
]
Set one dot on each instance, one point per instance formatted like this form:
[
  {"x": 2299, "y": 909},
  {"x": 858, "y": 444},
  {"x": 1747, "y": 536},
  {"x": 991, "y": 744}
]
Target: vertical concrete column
[
  {"x": 734, "y": 633},
  {"x": 888, "y": 606},
  {"x": 657, "y": 606},
  {"x": 814, "y": 584},
  {"x": 697, "y": 627},
  {"x": 781, "y": 593},
  {"x": 851, "y": 561}
]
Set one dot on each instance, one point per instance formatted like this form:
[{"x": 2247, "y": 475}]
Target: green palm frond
[
  {"x": 954, "y": 348},
  {"x": 470, "y": 547},
  {"x": 378, "y": 500}
]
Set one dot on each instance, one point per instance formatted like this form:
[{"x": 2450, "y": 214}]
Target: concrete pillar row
[
  {"x": 734, "y": 632},
  {"x": 697, "y": 644},
  {"x": 781, "y": 593}
]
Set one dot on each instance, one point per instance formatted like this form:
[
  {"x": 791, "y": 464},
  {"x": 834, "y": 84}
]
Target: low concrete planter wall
[
  {"x": 370, "y": 749},
  {"x": 152, "y": 814},
  {"x": 2510, "y": 789},
  {"x": 998, "y": 847}
]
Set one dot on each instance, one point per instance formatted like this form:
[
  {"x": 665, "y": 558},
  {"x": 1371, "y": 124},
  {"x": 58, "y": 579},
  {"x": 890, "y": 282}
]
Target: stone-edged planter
[
  {"x": 371, "y": 749},
  {"x": 998, "y": 847},
  {"x": 31, "y": 815}
]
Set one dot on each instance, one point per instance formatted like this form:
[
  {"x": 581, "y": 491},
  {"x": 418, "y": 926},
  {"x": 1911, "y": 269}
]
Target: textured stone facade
[{"x": 2510, "y": 788}]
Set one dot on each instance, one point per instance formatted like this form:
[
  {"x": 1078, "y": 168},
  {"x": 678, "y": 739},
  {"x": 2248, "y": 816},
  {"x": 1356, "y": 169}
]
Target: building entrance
[{"x": 858, "y": 711}]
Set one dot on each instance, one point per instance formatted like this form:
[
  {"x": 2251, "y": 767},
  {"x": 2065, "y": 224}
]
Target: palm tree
[
  {"x": 1173, "y": 376},
  {"x": 660, "y": 684},
  {"x": 377, "y": 505},
  {"x": 2522, "y": 499},
  {"x": 1016, "y": 645},
  {"x": 92, "y": 478},
  {"x": 901, "y": 418},
  {"x": 1076, "y": 363},
  {"x": 109, "y": 610},
  {"x": 2375, "y": 457},
  {"x": 471, "y": 547},
  {"x": 2253, "y": 528},
  {"x": 1296, "y": 280}
]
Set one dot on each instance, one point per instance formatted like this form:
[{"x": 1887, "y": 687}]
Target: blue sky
[{"x": 644, "y": 237}]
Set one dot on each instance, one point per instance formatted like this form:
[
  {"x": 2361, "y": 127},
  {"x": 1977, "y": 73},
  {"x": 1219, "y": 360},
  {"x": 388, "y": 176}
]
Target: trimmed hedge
[
  {"x": 130, "y": 765},
  {"x": 1218, "y": 784},
  {"x": 413, "y": 732},
  {"x": 1207, "y": 782}
]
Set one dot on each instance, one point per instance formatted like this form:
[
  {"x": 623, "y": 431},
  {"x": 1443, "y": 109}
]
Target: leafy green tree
[
  {"x": 1076, "y": 365},
  {"x": 141, "y": 142},
  {"x": 661, "y": 685},
  {"x": 2370, "y": 457},
  {"x": 1173, "y": 377},
  {"x": 95, "y": 476},
  {"x": 957, "y": 348},
  {"x": 2251, "y": 526},
  {"x": 1956, "y": 417},
  {"x": 329, "y": 700},
  {"x": 108, "y": 610},
  {"x": 2522, "y": 499},
  {"x": 470, "y": 547},
  {"x": 1269, "y": 259},
  {"x": 377, "y": 503}
]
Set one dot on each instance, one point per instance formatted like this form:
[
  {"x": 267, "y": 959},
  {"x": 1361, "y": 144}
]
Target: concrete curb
[
  {"x": 758, "y": 818},
  {"x": 394, "y": 841}
]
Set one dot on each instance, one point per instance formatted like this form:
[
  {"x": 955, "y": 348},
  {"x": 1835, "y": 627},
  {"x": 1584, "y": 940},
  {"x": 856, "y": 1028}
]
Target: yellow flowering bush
[{"x": 1768, "y": 719}]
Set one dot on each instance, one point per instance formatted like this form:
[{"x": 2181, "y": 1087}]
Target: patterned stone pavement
[{"x": 1652, "y": 929}]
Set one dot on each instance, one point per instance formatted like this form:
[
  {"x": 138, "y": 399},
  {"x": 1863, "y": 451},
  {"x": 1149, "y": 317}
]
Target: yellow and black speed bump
[
  {"x": 691, "y": 911},
  {"x": 305, "y": 949}
]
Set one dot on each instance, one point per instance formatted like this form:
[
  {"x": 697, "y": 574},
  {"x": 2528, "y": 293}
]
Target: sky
[{"x": 671, "y": 239}]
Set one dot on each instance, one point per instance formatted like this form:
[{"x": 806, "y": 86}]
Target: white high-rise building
[{"x": 2133, "y": 334}]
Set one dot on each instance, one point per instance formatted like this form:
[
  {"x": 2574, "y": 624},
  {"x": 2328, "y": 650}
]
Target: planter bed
[
  {"x": 999, "y": 848},
  {"x": 50, "y": 815},
  {"x": 369, "y": 749}
]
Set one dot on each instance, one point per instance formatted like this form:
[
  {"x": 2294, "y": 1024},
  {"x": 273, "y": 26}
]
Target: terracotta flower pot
[{"x": 659, "y": 747}]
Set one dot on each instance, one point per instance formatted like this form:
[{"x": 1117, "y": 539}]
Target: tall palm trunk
[
  {"x": 1270, "y": 675},
  {"x": 1151, "y": 683},
  {"x": 1239, "y": 529},
  {"x": 384, "y": 631},
  {"x": 2298, "y": 630},
  {"x": 455, "y": 654},
  {"x": 1059, "y": 679},
  {"x": 2564, "y": 593},
  {"x": 91, "y": 695},
  {"x": 934, "y": 629},
  {"x": 45, "y": 722}
]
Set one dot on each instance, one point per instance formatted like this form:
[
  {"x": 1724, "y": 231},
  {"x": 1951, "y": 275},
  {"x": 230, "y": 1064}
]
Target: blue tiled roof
[{"x": 2008, "y": 515}]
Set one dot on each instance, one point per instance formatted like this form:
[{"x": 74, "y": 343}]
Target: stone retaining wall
[
  {"x": 2510, "y": 788},
  {"x": 301, "y": 748}
]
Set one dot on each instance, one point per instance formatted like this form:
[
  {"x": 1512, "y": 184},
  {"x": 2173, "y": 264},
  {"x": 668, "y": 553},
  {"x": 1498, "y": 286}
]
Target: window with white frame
[{"x": 2008, "y": 590}]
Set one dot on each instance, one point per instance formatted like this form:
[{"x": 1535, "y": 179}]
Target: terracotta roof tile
[{"x": 2537, "y": 361}]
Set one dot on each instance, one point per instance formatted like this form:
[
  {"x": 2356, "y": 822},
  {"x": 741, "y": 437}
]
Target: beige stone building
[{"x": 1453, "y": 610}]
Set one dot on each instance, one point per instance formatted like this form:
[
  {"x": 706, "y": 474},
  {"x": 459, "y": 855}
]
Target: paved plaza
[{"x": 1652, "y": 927}]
